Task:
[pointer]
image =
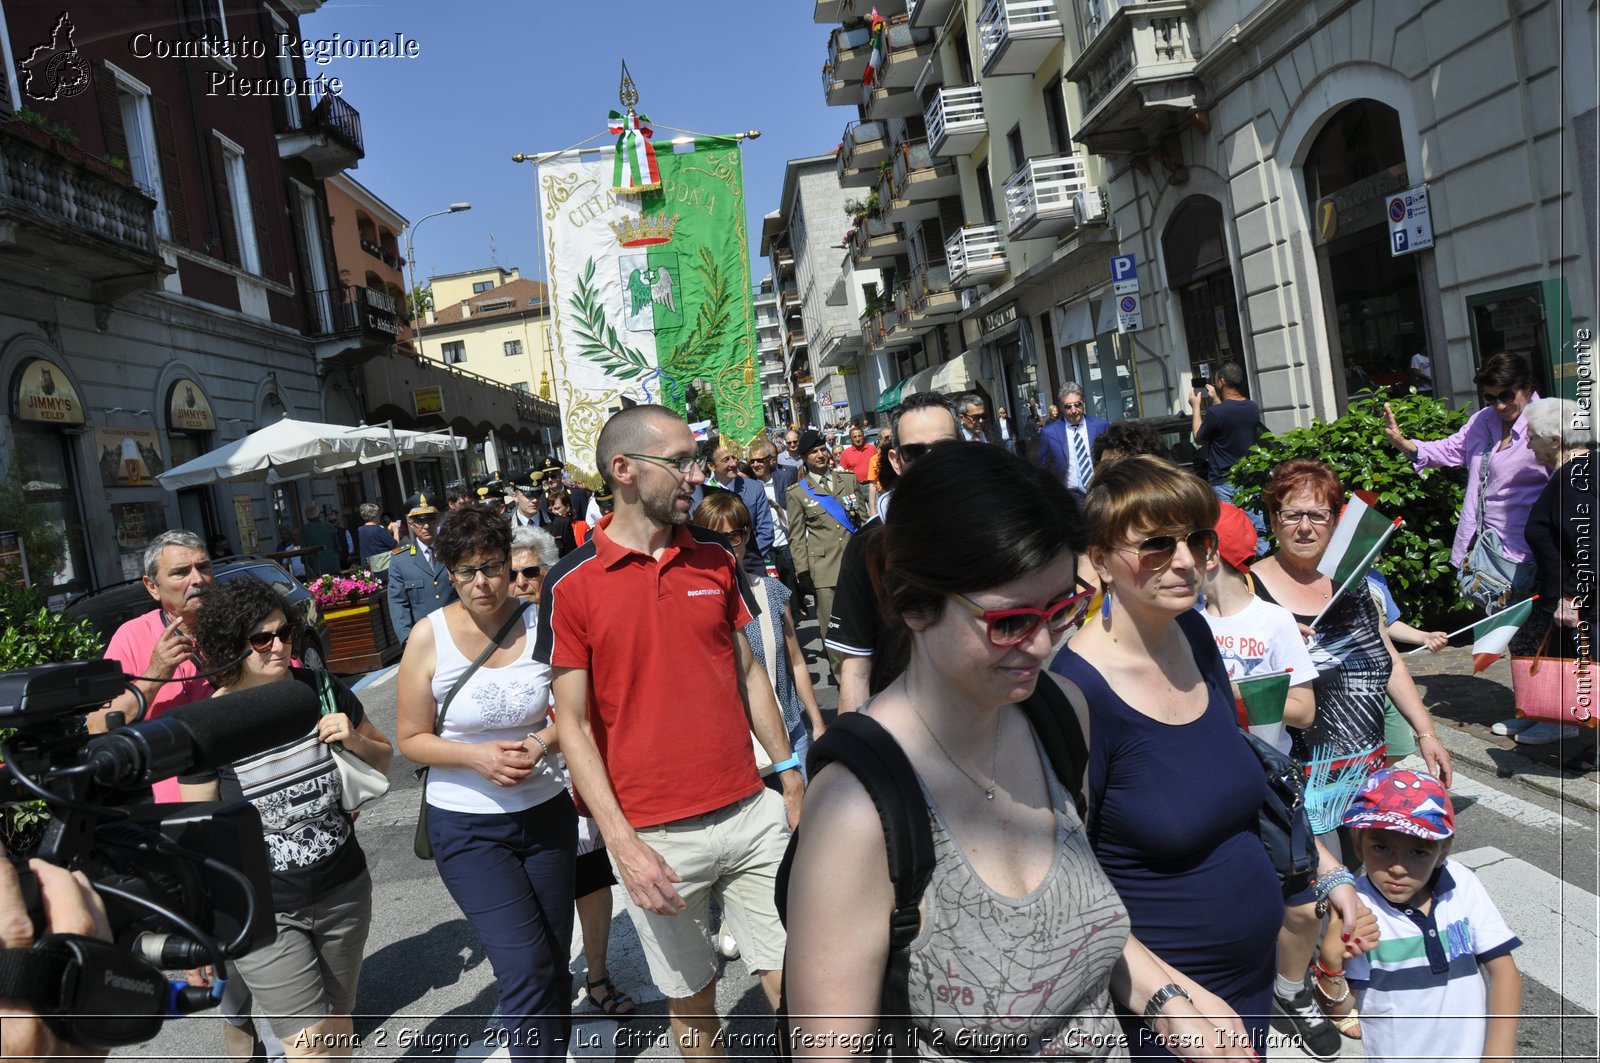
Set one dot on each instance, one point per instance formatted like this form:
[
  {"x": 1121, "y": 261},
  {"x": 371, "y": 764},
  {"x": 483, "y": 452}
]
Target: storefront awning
[
  {"x": 888, "y": 400},
  {"x": 956, "y": 375},
  {"x": 919, "y": 381},
  {"x": 1108, "y": 315},
  {"x": 1074, "y": 323}
]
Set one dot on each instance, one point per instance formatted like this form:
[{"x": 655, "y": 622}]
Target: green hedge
[{"x": 1417, "y": 560}]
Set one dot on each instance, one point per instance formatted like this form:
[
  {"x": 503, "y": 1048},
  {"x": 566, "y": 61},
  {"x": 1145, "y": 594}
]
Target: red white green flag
[
  {"x": 1264, "y": 697},
  {"x": 1491, "y": 636},
  {"x": 875, "y": 59},
  {"x": 1356, "y": 544}
]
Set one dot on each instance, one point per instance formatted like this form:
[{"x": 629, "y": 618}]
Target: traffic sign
[
  {"x": 1124, "y": 274},
  {"x": 1130, "y": 318},
  {"x": 1410, "y": 221}
]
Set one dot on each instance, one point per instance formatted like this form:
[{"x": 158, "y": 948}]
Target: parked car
[{"x": 109, "y": 607}]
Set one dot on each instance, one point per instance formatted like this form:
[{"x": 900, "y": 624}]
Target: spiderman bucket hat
[{"x": 1398, "y": 799}]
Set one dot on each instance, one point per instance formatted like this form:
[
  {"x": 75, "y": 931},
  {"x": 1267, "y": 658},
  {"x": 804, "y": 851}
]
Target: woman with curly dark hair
[
  {"x": 503, "y": 828},
  {"x": 305, "y": 980}
]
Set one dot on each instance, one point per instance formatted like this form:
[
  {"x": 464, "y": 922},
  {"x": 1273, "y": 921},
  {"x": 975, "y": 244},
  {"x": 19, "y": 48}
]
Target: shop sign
[
  {"x": 427, "y": 400},
  {"x": 188, "y": 409},
  {"x": 1359, "y": 205},
  {"x": 136, "y": 523},
  {"x": 45, "y": 394},
  {"x": 1004, "y": 317},
  {"x": 244, "y": 514},
  {"x": 1410, "y": 221},
  {"x": 128, "y": 457}
]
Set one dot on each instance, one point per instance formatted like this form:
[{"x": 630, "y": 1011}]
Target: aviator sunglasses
[{"x": 1156, "y": 552}]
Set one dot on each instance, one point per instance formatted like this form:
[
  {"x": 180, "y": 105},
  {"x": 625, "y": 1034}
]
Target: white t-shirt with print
[{"x": 1260, "y": 639}]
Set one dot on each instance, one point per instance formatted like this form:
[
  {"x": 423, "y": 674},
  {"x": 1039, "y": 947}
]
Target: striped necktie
[{"x": 1080, "y": 456}]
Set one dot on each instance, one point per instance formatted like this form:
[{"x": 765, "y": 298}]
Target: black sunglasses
[
  {"x": 912, "y": 451},
  {"x": 531, "y": 572},
  {"x": 1495, "y": 398},
  {"x": 260, "y": 640}
]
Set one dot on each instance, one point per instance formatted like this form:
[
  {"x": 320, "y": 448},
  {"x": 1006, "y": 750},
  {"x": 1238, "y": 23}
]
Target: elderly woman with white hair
[{"x": 1560, "y": 535}]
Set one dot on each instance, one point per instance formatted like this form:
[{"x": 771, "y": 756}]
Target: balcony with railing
[
  {"x": 1137, "y": 77},
  {"x": 848, "y": 50},
  {"x": 974, "y": 253},
  {"x": 328, "y": 138},
  {"x": 1015, "y": 36},
  {"x": 933, "y": 298},
  {"x": 874, "y": 243},
  {"x": 865, "y": 145},
  {"x": 906, "y": 50},
  {"x": 87, "y": 220},
  {"x": 354, "y": 311},
  {"x": 1038, "y": 197},
  {"x": 930, "y": 14},
  {"x": 918, "y": 181},
  {"x": 955, "y": 120}
]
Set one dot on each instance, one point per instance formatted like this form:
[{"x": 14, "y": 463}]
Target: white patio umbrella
[{"x": 284, "y": 450}]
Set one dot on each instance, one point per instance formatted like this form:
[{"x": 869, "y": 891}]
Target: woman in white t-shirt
[{"x": 502, "y": 825}]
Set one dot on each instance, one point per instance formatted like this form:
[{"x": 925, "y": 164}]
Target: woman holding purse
[
  {"x": 472, "y": 705},
  {"x": 305, "y": 980}
]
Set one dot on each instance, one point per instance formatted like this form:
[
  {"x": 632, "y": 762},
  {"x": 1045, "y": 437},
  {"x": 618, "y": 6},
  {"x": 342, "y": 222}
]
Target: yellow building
[{"x": 493, "y": 323}]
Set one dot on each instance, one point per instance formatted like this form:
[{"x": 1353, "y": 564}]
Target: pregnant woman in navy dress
[{"x": 1174, "y": 788}]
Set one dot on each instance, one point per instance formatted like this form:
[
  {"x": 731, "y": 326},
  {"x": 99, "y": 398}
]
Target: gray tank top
[{"x": 993, "y": 975}]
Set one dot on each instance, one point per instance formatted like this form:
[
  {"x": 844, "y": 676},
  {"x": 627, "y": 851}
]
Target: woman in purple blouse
[{"x": 1499, "y": 497}]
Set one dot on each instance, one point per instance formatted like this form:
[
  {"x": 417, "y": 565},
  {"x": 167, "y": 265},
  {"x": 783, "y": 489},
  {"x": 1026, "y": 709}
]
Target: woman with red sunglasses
[
  {"x": 1174, "y": 791},
  {"x": 1023, "y": 942}
]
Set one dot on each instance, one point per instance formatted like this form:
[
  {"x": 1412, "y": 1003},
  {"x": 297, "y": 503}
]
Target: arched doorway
[
  {"x": 1198, "y": 269},
  {"x": 1372, "y": 300}
]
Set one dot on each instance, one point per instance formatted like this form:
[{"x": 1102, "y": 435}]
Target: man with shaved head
[{"x": 657, "y": 694}]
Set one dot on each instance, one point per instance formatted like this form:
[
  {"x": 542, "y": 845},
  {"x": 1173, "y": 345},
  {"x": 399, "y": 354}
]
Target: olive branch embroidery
[{"x": 597, "y": 338}]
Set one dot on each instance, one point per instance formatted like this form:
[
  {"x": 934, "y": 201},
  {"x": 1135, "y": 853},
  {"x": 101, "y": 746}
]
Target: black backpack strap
[
  {"x": 1055, "y": 720},
  {"x": 861, "y": 744}
]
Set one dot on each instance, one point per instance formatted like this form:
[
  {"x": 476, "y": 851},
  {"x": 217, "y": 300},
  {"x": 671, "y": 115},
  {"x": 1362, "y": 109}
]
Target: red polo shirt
[
  {"x": 656, "y": 637},
  {"x": 858, "y": 461}
]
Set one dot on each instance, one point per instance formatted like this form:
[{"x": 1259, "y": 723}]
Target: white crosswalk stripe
[{"x": 1524, "y": 813}]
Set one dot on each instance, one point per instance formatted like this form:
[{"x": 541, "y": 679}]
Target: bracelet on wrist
[
  {"x": 542, "y": 746},
  {"x": 1326, "y": 884},
  {"x": 1426, "y": 734},
  {"x": 786, "y": 765},
  {"x": 1158, "y": 1000}
]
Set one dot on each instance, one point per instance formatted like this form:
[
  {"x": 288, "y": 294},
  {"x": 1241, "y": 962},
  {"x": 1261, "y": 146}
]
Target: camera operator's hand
[{"x": 70, "y": 907}]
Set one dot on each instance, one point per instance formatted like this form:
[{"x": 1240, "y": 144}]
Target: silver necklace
[{"x": 988, "y": 791}]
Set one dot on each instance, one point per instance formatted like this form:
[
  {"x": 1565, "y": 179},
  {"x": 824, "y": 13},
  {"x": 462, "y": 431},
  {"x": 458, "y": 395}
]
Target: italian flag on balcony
[
  {"x": 1357, "y": 542},
  {"x": 875, "y": 59}
]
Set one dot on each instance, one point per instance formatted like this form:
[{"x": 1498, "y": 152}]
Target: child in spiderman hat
[{"x": 1441, "y": 983}]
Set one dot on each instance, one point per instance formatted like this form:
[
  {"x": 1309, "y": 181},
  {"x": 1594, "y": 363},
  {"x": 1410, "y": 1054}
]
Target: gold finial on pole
[{"x": 628, "y": 93}]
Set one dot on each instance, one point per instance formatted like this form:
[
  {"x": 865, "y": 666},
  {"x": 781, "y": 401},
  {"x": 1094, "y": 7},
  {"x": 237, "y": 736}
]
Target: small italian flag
[
  {"x": 1491, "y": 636},
  {"x": 1263, "y": 697},
  {"x": 1357, "y": 541},
  {"x": 875, "y": 59}
]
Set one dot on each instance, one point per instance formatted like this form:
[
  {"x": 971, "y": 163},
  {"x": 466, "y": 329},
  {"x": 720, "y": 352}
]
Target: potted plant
[{"x": 360, "y": 634}]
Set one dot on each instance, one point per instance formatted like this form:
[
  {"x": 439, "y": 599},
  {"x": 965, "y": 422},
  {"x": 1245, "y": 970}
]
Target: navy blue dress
[{"x": 1173, "y": 820}]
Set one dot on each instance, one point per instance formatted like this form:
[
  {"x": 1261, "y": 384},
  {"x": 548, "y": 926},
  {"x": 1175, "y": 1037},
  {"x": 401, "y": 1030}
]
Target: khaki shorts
[
  {"x": 310, "y": 972},
  {"x": 733, "y": 852}
]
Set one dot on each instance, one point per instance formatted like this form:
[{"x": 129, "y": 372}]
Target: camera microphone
[{"x": 203, "y": 735}]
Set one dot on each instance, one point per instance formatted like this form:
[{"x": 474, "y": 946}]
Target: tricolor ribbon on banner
[{"x": 634, "y": 167}]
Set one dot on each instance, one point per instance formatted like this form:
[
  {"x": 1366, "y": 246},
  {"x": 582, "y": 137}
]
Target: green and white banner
[{"x": 651, "y": 293}]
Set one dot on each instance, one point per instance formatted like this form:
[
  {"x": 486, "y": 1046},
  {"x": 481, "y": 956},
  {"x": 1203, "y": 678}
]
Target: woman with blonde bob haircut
[{"x": 1174, "y": 790}]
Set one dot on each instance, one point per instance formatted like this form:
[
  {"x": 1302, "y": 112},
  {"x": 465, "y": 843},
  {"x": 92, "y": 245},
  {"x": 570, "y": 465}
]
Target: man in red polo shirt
[
  {"x": 656, "y": 696},
  {"x": 856, "y": 458}
]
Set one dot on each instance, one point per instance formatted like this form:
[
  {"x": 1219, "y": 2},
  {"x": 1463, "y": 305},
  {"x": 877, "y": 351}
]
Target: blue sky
[{"x": 494, "y": 78}]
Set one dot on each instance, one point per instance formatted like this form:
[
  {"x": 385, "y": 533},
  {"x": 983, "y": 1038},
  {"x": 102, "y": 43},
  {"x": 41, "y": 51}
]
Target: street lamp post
[{"x": 411, "y": 270}]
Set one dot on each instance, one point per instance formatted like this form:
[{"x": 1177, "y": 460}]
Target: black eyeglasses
[
  {"x": 1496, "y": 398},
  {"x": 910, "y": 452},
  {"x": 468, "y": 573},
  {"x": 261, "y": 640},
  {"x": 531, "y": 572},
  {"x": 1156, "y": 551}
]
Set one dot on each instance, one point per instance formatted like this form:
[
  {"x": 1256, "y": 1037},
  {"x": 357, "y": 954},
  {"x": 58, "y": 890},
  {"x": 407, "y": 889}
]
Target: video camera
[{"x": 184, "y": 885}]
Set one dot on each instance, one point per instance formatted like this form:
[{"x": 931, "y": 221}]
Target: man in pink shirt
[{"x": 157, "y": 647}]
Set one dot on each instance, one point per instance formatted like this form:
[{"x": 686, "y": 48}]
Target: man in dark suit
[
  {"x": 974, "y": 418},
  {"x": 725, "y": 464},
  {"x": 775, "y": 479},
  {"x": 418, "y": 582},
  {"x": 1066, "y": 447}
]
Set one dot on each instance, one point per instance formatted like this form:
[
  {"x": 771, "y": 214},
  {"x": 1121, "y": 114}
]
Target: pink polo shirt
[{"x": 131, "y": 648}]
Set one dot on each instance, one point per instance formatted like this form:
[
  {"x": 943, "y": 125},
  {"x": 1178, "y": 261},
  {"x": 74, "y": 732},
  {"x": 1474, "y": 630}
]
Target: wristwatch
[{"x": 1158, "y": 1000}]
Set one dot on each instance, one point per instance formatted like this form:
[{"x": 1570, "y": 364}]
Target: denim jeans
[
  {"x": 1224, "y": 493},
  {"x": 511, "y": 873}
]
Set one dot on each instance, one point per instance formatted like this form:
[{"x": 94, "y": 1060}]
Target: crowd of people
[{"x": 1117, "y": 901}]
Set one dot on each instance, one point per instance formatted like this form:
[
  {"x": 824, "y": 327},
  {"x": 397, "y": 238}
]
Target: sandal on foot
[
  {"x": 1349, "y": 1025},
  {"x": 614, "y": 1002}
]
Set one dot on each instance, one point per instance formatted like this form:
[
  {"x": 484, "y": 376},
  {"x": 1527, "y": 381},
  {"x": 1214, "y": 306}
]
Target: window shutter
[
  {"x": 105, "y": 91},
  {"x": 317, "y": 304},
  {"x": 203, "y": 18},
  {"x": 171, "y": 178},
  {"x": 228, "y": 233},
  {"x": 269, "y": 33},
  {"x": 258, "y": 206}
]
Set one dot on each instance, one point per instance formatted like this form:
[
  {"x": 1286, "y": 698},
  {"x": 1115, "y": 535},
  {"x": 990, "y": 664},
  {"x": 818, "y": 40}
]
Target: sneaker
[
  {"x": 1301, "y": 1018},
  {"x": 1542, "y": 734},
  {"x": 1506, "y": 728},
  {"x": 727, "y": 946}
]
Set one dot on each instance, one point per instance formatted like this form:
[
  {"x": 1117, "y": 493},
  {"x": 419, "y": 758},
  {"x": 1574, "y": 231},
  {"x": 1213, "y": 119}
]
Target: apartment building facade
[
  {"x": 1244, "y": 154},
  {"x": 775, "y": 397},
  {"x": 159, "y": 247}
]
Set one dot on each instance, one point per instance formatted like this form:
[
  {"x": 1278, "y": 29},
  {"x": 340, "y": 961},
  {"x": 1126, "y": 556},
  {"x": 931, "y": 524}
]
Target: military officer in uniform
[
  {"x": 825, "y": 507},
  {"x": 418, "y": 583}
]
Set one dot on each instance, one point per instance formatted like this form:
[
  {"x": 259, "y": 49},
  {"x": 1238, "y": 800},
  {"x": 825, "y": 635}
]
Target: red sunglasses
[{"x": 1011, "y": 627}]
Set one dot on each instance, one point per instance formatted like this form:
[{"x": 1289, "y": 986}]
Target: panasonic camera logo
[{"x": 129, "y": 985}]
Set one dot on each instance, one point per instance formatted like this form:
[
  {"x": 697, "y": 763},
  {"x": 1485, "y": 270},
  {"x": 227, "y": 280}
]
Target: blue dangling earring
[{"x": 1105, "y": 602}]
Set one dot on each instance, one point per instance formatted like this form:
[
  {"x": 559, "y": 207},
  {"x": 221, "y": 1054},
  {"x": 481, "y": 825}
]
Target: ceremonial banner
[{"x": 650, "y": 292}]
